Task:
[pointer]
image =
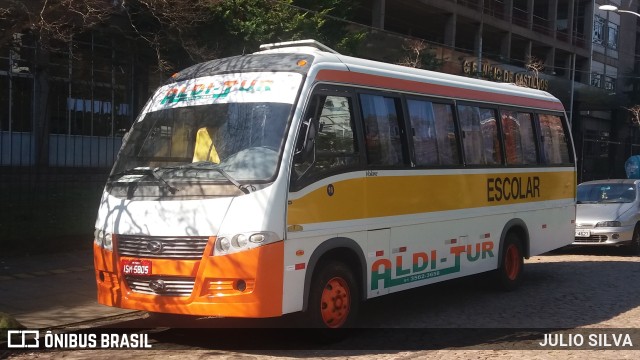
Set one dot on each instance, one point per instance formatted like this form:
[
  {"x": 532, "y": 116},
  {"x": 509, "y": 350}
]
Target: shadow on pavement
[{"x": 463, "y": 313}]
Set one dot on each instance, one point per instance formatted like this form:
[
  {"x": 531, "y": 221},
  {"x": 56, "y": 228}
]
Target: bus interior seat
[{"x": 204, "y": 148}]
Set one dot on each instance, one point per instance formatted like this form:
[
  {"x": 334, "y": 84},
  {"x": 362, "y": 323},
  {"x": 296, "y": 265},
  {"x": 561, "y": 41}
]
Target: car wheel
[
  {"x": 334, "y": 297},
  {"x": 509, "y": 273},
  {"x": 634, "y": 247}
]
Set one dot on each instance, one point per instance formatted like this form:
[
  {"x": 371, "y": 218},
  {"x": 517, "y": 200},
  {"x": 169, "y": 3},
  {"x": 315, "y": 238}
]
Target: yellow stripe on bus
[{"x": 373, "y": 197}]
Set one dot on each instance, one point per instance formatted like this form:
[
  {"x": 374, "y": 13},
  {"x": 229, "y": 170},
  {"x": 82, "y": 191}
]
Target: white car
[{"x": 608, "y": 214}]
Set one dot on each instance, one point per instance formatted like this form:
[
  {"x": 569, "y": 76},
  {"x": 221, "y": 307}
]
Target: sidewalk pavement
[{"x": 51, "y": 290}]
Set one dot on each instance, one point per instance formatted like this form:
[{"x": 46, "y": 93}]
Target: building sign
[{"x": 495, "y": 73}]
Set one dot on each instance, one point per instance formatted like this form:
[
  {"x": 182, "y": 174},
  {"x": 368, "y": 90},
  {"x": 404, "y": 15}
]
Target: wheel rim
[
  {"x": 335, "y": 302},
  {"x": 512, "y": 262}
]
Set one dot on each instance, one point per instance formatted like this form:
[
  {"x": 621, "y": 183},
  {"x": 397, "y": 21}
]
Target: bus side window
[
  {"x": 519, "y": 138},
  {"x": 480, "y": 135},
  {"x": 433, "y": 132},
  {"x": 555, "y": 147},
  {"x": 383, "y": 135},
  {"x": 334, "y": 144}
]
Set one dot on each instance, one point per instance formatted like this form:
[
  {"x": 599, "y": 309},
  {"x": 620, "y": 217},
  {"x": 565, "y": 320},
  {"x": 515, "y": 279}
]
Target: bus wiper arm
[
  {"x": 172, "y": 189},
  {"x": 147, "y": 171},
  {"x": 213, "y": 166},
  {"x": 235, "y": 182}
]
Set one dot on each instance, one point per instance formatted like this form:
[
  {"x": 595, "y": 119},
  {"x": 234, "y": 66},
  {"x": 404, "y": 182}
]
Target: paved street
[
  {"x": 587, "y": 290},
  {"x": 50, "y": 290}
]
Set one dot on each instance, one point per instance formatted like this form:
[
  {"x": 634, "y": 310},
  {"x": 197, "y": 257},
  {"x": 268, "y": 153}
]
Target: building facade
[
  {"x": 68, "y": 106},
  {"x": 581, "y": 54}
]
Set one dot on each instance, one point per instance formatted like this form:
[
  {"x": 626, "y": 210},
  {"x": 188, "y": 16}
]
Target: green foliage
[
  {"x": 240, "y": 26},
  {"x": 7, "y": 322}
]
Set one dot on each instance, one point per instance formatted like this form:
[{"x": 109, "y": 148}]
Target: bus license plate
[
  {"x": 583, "y": 233},
  {"x": 135, "y": 267}
]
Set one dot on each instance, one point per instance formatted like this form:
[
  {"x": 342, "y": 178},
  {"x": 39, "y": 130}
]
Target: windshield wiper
[
  {"x": 208, "y": 165},
  {"x": 146, "y": 171}
]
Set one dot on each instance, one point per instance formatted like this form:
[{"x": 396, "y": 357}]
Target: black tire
[
  {"x": 334, "y": 297},
  {"x": 508, "y": 276},
  {"x": 634, "y": 247}
]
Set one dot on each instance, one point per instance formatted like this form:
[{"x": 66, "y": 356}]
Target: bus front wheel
[
  {"x": 334, "y": 297},
  {"x": 509, "y": 273}
]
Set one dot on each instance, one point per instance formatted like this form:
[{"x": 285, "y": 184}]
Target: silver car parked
[{"x": 608, "y": 213}]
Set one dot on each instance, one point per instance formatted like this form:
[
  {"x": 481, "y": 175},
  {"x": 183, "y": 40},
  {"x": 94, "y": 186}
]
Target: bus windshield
[{"x": 234, "y": 133}]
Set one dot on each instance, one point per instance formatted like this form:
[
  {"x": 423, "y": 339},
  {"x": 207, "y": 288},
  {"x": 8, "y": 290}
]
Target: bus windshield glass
[{"x": 218, "y": 128}]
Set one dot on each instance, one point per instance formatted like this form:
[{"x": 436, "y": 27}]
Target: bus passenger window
[
  {"x": 555, "y": 147},
  {"x": 382, "y": 130},
  {"x": 335, "y": 145},
  {"x": 519, "y": 138},
  {"x": 480, "y": 135},
  {"x": 434, "y": 135}
]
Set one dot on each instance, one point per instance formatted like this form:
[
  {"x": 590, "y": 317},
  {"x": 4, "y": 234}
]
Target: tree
[
  {"x": 635, "y": 115},
  {"x": 418, "y": 54},
  {"x": 173, "y": 34},
  {"x": 182, "y": 32}
]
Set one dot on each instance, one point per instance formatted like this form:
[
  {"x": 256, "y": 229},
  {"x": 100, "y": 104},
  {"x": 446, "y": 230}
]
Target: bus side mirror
[{"x": 306, "y": 147}]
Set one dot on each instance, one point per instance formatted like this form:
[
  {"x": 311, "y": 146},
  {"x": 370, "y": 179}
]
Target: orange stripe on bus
[{"x": 357, "y": 78}]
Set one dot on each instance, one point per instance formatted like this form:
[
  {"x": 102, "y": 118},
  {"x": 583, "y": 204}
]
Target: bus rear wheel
[
  {"x": 509, "y": 273},
  {"x": 334, "y": 297}
]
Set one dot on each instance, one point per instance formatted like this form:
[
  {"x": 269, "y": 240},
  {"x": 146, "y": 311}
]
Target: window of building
[
  {"x": 479, "y": 135},
  {"x": 434, "y": 135},
  {"x": 519, "y": 138},
  {"x": 612, "y": 35},
  {"x": 16, "y": 78},
  {"x": 596, "y": 79},
  {"x": 555, "y": 146},
  {"x": 609, "y": 83},
  {"x": 598, "y": 30},
  {"x": 383, "y": 136},
  {"x": 596, "y": 143}
]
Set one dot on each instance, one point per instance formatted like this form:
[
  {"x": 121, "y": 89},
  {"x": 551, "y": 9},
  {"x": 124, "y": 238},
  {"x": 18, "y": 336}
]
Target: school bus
[{"x": 296, "y": 179}]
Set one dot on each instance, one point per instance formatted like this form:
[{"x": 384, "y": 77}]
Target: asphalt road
[{"x": 568, "y": 295}]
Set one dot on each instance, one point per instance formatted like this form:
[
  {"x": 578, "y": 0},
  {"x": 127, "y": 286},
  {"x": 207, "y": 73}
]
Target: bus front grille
[
  {"x": 161, "y": 285},
  {"x": 191, "y": 247}
]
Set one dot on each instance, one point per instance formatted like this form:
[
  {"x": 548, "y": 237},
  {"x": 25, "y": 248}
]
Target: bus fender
[
  {"x": 325, "y": 247},
  {"x": 520, "y": 226}
]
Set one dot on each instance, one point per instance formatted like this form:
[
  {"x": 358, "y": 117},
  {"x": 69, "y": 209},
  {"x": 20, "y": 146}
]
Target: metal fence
[{"x": 19, "y": 149}]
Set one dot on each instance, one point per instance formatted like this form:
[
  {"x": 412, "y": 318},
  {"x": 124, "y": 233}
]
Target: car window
[{"x": 606, "y": 193}]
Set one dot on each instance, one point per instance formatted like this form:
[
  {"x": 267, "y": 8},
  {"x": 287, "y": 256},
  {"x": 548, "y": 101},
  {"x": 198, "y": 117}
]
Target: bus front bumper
[{"x": 243, "y": 284}]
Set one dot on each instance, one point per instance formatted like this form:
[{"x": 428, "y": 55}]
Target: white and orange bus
[{"x": 298, "y": 179}]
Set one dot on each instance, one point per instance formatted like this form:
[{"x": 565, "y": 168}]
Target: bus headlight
[
  {"x": 103, "y": 239},
  {"x": 223, "y": 245},
  {"x": 242, "y": 242},
  {"x": 239, "y": 241}
]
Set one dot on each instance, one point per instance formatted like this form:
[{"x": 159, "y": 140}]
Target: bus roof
[
  {"x": 324, "y": 64},
  {"x": 375, "y": 74}
]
